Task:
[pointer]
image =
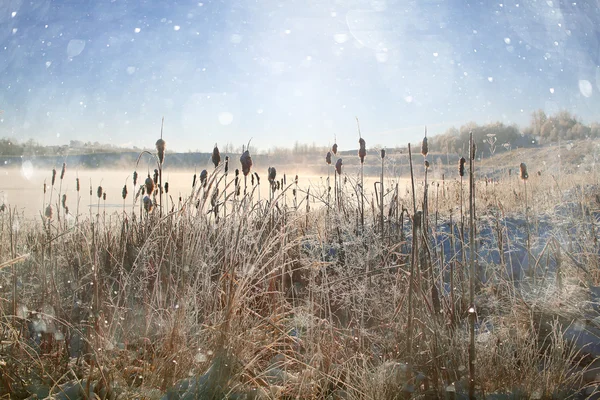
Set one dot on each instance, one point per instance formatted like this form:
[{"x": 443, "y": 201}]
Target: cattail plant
[
  {"x": 216, "y": 156},
  {"x": 246, "y": 162},
  {"x": 77, "y": 187},
  {"x": 257, "y": 184},
  {"x": 148, "y": 204},
  {"x": 160, "y": 151},
  {"x": 381, "y": 193},
  {"x": 362, "y": 152},
  {"x": 524, "y": 175},
  {"x": 225, "y": 188},
  {"x": 149, "y": 185},
  {"x": 472, "y": 310},
  {"x": 272, "y": 174},
  {"x": 338, "y": 185},
  {"x": 99, "y": 194},
  {"x": 203, "y": 178},
  {"x": 62, "y": 176},
  {"x": 328, "y": 162},
  {"x": 124, "y": 195}
]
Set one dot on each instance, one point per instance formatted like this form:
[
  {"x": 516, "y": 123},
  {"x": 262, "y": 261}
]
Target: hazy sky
[{"x": 286, "y": 71}]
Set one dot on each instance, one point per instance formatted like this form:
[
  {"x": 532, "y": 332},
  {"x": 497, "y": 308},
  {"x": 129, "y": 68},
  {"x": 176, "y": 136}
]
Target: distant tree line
[{"x": 497, "y": 137}]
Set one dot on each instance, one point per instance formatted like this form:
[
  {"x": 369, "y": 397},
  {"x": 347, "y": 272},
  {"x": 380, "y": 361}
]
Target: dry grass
[{"x": 285, "y": 297}]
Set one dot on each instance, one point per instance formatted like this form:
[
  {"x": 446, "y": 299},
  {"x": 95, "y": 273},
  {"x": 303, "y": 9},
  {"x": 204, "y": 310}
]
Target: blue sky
[{"x": 286, "y": 71}]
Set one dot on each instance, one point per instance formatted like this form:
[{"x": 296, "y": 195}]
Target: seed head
[
  {"x": 334, "y": 148},
  {"x": 382, "y": 153},
  {"x": 48, "y": 212},
  {"x": 160, "y": 149},
  {"x": 424, "y": 146},
  {"x": 194, "y": 182},
  {"x": 272, "y": 174},
  {"x": 328, "y": 158},
  {"x": 523, "y": 170},
  {"x": 216, "y": 156},
  {"x": 338, "y": 166},
  {"x": 278, "y": 185},
  {"x": 104, "y": 196},
  {"x": 99, "y": 191},
  {"x": 44, "y": 187},
  {"x": 461, "y": 166},
  {"x": 77, "y": 184},
  {"x": 257, "y": 178},
  {"x": 148, "y": 205},
  {"x": 135, "y": 176},
  {"x": 203, "y": 177},
  {"x": 53, "y": 175},
  {"x": 63, "y": 170},
  {"x": 226, "y": 164},
  {"x": 246, "y": 161},
  {"x": 155, "y": 176},
  {"x": 149, "y": 183},
  {"x": 124, "y": 192},
  {"x": 362, "y": 151},
  {"x": 64, "y": 200},
  {"x": 166, "y": 187},
  {"x": 426, "y": 164}
]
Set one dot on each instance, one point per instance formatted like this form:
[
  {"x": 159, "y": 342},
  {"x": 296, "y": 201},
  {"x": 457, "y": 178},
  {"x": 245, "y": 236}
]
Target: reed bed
[{"x": 220, "y": 293}]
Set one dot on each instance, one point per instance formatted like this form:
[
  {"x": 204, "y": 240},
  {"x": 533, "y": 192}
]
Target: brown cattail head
[
  {"x": 216, "y": 156},
  {"x": 135, "y": 176},
  {"x": 124, "y": 192},
  {"x": 64, "y": 200},
  {"x": 91, "y": 188},
  {"x": 161, "y": 145},
  {"x": 338, "y": 166},
  {"x": 362, "y": 151},
  {"x": 272, "y": 174},
  {"x": 104, "y": 196},
  {"x": 328, "y": 158},
  {"x": 226, "y": 164},
  {"x": 296, "y": 180},
  {"x": 246, "y": 161},
  {"x": 278, "y": 185},
  {"x": 44, "y": 187},
  {"x": 417, "y": 219},
  {"x": 194, "y": 181},
  {"x": 426, "y": 164},
  {"x": 523, "y": 170},
  {"x": 48, "y": 212},
  {"x": 99, "y": 191},
  {"x": 539, "y": 173},
  {"x": 149, "y": 183},
  {"x": 334, "y": 148},
  {"x": 63, "y": 170},
  {"x": 53, "y": 175},
  {"x": 473, "y": 149},
  {"x": 203, "y": 177},
  {"x": 461, "y": 166},
  {"x": 148, "y": 205},
  {"x": 155, "y": 177},
  {"x": 166, "y": 187},
  {"x": 424, "y": 146},
  {"x": 284, "y": 180},
  {"x": 252, "y": 179},
  {"x": 77, "y": 184},
  {"x": 382, "y": 153},
  {"x": 257, "y": 178}
]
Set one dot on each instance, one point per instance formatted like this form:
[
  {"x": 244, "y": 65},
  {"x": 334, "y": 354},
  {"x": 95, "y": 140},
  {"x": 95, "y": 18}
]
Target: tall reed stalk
[{"x": 472, "y": 309}]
